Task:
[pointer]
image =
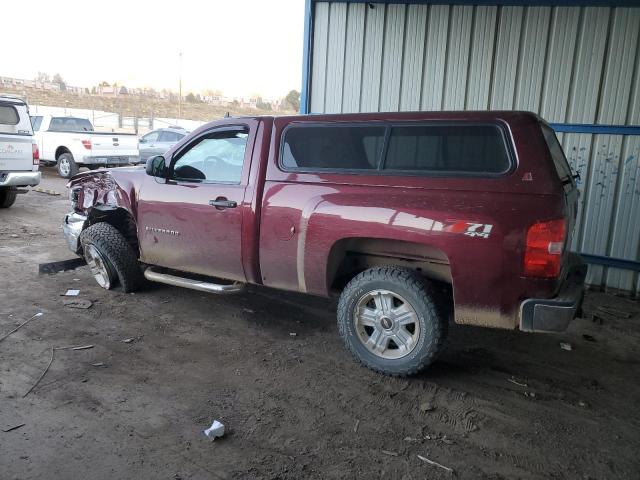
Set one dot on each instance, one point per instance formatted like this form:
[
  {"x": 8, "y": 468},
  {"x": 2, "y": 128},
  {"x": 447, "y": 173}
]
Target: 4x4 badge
[{"x": 478, "y": 230}]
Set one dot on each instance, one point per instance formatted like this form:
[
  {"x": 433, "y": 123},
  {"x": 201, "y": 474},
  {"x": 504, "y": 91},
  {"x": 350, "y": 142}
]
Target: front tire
[
  {"x": 67, "y": 167},
  {"x": 110, "y": 257},
  {"x": 8, "y": 196},
  {"x": 390, "y": 321}
]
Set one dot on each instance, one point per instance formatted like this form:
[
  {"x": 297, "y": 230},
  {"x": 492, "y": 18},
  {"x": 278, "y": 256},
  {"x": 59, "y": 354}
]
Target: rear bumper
[
  {"x": 19, "y": 179},
  {"x": 555, "y": 314},
  {"x": 72, "y": 228},
  {"x": 110, "y": 160}
]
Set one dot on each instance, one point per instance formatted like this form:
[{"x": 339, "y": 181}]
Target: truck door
[{"x": 193, "y": 222}]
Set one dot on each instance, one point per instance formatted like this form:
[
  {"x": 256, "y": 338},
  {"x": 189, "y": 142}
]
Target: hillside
[{"x": 133, "y": 106}]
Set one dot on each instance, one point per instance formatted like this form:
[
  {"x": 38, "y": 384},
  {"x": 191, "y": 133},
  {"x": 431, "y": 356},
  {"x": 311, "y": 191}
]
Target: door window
[
  {"x": 150, "y": 137},
  {"x": 170, "y": 137},
  {"x": 217, "y": 157}
]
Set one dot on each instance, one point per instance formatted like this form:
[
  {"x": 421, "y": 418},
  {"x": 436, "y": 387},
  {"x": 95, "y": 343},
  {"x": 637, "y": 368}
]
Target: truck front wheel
[
  {"x": 67, "y": 167},
  {"x": 390, "y": 321},
  {"x": 8, "y": 196},
  {"x": 110, "y": 257}
]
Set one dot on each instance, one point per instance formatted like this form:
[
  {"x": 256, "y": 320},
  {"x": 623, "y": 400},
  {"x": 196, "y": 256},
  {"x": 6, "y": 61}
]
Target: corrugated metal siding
[{"x": 570, "y": 64}]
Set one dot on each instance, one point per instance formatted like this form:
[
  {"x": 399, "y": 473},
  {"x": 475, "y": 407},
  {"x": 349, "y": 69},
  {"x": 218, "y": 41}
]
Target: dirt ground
[{"x": 271, "y": 367}]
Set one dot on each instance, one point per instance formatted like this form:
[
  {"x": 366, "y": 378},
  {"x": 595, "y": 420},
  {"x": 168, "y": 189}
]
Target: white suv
[{"x": 19, "y": 156}]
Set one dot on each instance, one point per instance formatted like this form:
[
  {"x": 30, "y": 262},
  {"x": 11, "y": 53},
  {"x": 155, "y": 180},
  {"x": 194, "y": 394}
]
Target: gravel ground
[{"x": 271, "y": 367}]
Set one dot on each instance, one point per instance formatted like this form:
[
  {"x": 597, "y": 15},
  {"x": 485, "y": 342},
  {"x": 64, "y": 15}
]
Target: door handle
[{"x": 221, "y": 203}]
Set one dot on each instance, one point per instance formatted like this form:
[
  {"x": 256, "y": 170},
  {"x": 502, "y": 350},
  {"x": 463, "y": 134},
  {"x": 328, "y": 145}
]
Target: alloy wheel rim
[
  {"x": 386, "y": 324},
  {"x": 65, "y": 168},
  {"x": 98, "y": 265}
]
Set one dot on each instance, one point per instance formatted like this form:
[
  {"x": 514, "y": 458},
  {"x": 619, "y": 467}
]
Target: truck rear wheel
[
  {"x": 67, "y": 167},
  {"x": 389, "y": 320},
  {"x": 8, "y": 196},
  {"x": 110, "y": 257}
]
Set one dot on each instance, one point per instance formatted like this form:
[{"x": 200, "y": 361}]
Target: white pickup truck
[
  {"x": 71, "y": 142},
  {"x": 18, "y": 152}
]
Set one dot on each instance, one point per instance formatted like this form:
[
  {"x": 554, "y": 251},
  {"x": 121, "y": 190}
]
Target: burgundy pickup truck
[{"x": 411, "y": 218}]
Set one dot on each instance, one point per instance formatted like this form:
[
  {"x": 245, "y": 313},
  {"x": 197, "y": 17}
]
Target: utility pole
[{"x": 180, "y": 88}]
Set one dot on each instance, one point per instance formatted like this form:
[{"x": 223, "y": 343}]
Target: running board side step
[{"x": 220, "y": 289}]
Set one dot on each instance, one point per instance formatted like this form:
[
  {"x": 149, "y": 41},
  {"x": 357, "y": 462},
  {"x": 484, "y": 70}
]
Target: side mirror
[
  {"x": 156, "y": 167},
  {"x": 142, "y": 140}
]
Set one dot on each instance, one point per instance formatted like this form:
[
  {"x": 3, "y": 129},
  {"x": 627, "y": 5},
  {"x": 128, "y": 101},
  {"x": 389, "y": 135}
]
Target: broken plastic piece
[
  {"x": 216, "y": 430},
  {"x": 77, "y": 303}
]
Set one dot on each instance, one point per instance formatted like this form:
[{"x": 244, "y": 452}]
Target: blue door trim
[{"x": 596, "y": 129}]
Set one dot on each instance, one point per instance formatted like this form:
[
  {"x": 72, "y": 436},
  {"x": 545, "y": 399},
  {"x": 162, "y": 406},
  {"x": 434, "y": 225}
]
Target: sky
[{"x": 241, "y": 47}]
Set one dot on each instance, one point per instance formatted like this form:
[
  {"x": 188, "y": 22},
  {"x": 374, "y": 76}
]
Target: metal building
[{"x": 576, "y": 63}]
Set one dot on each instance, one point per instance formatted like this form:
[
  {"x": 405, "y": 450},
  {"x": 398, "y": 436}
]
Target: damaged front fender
[
  {"x": 105, "y": 190},
  {"x": 104, "y": 196}
]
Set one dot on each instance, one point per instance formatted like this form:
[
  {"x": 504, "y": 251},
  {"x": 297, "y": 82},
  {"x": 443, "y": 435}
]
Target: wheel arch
[
  {"x": 62, "y": 150},
  {"x": 118, "y": 217},
  {"x": 350, "y": 256}
]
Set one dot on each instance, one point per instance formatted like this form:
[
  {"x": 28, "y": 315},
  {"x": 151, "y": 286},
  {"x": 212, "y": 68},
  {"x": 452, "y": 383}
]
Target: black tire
[
  {"x": 8, "y": 196},
  {"x": 421, "y": 296},
  {"x": 117, "y": 252},
  {"x": 67, "y": 166},
  {"x": 93, "y": 167}
]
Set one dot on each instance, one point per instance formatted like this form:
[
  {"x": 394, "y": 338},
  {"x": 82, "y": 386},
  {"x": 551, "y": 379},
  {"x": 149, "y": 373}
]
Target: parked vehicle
[
  {"x": 409, "y": 217},
  {"x": 18, "y": 152},
  {"x": 158, "y": 142},
  {"x": 71, "y": 143}
]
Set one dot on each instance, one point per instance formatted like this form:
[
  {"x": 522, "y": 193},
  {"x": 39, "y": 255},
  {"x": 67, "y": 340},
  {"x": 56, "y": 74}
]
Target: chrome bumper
[
  {"x": 72, "y": 228},
  {"x": 19, "y": 179}
]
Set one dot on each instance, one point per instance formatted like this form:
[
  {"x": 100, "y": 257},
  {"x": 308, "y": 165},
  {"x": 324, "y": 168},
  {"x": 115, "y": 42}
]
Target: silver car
[{"x": 157, "y": 142}]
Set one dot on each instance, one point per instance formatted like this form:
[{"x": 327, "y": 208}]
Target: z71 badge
[{"x": 482, "y": 230}]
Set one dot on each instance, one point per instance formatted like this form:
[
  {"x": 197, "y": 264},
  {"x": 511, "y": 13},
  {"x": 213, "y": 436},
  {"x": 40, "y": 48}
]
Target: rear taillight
[
  {"x": 87, "y": 144},
  {"x": 543, "y": 253},
  {"x": 35, "y": 153}
]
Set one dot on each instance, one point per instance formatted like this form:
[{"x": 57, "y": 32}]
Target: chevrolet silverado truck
[
  {"x": 18, "y": 153},
  {"x": 71, "y": 143},
  {"x": 410, "y": 218}
]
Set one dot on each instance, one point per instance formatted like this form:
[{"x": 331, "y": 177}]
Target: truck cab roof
[{"x": 14, "y": 99}]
